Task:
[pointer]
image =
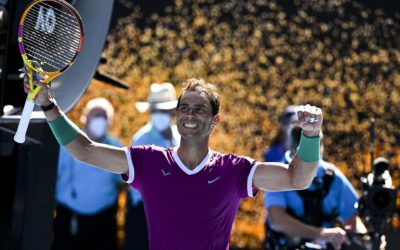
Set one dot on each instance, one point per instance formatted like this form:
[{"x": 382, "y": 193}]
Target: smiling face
[{"x": 194, "y": 115}]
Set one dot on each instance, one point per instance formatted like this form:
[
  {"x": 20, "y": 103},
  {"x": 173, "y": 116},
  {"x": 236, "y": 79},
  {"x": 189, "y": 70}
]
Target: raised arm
[
  {"x": 272, "y": 176},
  {"x": 100, "y": 155}
]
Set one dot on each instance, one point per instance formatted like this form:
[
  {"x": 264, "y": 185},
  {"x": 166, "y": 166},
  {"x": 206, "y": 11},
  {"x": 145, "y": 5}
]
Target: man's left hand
[{"x": 309, "y": 119}]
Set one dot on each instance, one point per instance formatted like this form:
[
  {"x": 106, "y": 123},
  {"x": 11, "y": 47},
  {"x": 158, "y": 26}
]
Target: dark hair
[
  {"x": 286, "y": 118},
  {"x": 289, "y": 115},
  {"x": 201, "y": 86}
]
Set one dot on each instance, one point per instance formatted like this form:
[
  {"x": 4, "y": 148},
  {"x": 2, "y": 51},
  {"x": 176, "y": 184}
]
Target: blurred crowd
[{"x": 265, "y": 55}]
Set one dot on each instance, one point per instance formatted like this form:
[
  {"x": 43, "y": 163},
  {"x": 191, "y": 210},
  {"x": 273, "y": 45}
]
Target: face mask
[
  {"x": 161, "y": 121},
  {"x": 98, "y": 127}
]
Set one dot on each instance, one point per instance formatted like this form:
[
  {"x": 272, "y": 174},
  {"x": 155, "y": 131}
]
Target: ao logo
[{"x": 46, "y": 20}]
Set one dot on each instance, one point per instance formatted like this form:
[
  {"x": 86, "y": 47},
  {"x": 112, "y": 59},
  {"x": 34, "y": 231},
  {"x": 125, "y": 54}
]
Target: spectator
[
  {"x": 281, "y": 142},
  {"x": 296, "y": 218},
  {"x": 87, "y": 197}
]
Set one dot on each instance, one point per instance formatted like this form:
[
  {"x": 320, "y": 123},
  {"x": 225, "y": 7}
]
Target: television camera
[{"x": 378, "y": 200}]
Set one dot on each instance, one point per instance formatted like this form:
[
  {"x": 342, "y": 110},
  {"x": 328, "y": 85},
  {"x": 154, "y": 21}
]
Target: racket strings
[
  {"x": 57, "y": 48},
  {"x": 71, "y": 26},
  {"x": 73, "y": 32},
  {"x": 39, "y": 50},
  {"x": 28, "y": 31},
  {"x": 56, "y": 61},
  {"x": 70, "y": 21},
  {"x": 63, "y": 14},
  {"x": 36, "y": 54},
  {"x": 73, "y": 44}
]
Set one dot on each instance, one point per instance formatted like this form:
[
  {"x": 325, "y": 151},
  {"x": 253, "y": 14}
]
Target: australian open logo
[{"x": 46, "y": 20}]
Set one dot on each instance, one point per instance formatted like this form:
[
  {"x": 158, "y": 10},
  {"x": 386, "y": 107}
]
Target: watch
[{"x": 50, "y": 106}]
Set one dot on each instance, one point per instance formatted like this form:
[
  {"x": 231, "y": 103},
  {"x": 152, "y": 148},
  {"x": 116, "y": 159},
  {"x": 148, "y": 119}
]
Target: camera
[{"x": 378, "y": 200}]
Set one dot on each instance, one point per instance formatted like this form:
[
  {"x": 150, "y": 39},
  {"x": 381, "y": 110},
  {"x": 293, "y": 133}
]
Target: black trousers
[
  {"x": 136, "y": 237},
  {"x": 91, "y": 232}
]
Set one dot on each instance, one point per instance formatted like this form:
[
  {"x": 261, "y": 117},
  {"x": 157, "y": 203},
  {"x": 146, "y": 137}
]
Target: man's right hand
[
  {"x": 43, "y": 98},
  {"x": 336, "y": 236}
]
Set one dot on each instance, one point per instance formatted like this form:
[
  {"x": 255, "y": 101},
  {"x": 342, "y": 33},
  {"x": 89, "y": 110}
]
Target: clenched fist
[{"x": 309, "y": 119}]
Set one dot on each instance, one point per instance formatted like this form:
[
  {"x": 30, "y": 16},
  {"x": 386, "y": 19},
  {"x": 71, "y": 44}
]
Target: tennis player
[{"x": 191, "y": 193}]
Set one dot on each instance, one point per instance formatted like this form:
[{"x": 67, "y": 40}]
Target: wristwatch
[{"x": 50, "y": 106}]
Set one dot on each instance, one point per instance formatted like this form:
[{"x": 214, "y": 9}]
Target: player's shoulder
[
  {"x": 233, "y": 159},
  {"x": 150, "y": 148}
]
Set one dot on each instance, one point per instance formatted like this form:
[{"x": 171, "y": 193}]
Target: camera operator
[
  {"x": 378, "y": 201},
  {"x": 321, "y": 216}
]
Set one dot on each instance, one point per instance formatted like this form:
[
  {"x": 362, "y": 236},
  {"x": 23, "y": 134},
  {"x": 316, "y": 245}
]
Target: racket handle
[{"x": 24, "y": 121}]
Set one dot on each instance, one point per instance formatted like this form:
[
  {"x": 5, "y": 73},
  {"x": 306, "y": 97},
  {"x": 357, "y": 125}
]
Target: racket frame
[{"x": 30, "y": 68}]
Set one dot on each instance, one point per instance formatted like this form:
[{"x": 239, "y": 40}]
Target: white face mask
[
  {"x": 98, "y": 127},
  {"x": 161, "y": 121}
]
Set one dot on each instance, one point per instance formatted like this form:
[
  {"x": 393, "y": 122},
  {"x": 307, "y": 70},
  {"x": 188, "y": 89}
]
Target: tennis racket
[{"x": 50, "y": 36}]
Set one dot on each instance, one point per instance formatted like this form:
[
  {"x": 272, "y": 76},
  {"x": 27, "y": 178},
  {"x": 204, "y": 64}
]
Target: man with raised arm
[{"x": 191, "y": 193}]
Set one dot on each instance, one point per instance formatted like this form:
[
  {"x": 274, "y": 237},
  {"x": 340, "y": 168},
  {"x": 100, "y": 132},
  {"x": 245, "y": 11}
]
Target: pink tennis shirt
[{"x": 189, "y": 209}]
